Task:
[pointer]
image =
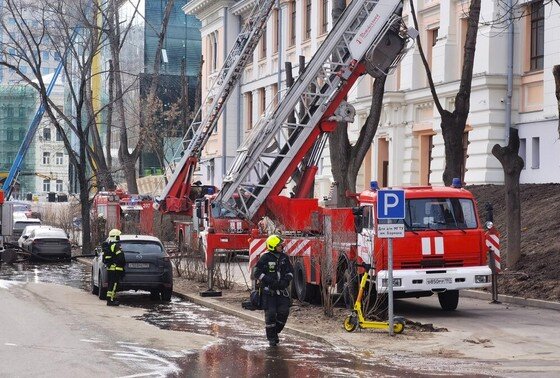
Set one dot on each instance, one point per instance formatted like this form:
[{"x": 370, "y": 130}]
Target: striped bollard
[{"x": 493, "y": 244}]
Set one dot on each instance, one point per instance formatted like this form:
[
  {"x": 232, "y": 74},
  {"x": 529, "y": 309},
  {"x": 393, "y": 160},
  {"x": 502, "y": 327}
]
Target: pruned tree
[{"x": 453, "y": 122}]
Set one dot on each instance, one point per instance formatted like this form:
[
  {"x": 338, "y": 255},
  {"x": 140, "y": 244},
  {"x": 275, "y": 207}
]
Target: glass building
[{"x": 181, "y": 49}]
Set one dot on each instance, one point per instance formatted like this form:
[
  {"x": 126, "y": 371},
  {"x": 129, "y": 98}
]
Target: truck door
[{"x": 366, "y": 235}]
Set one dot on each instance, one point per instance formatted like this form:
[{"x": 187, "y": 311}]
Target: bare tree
[
  {"x": 116, "y": 41},
  {"x": 453, "y": 123},
  {"x": 64, "y": 28},
  {"x": 346, "y": 159}
]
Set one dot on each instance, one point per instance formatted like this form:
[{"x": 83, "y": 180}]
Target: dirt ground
[{"x": 538, "y": 273}]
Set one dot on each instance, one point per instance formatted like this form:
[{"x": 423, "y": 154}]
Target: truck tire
[
  {"x": 449, "y": 300},
  {"x": 305, "y": 292}
]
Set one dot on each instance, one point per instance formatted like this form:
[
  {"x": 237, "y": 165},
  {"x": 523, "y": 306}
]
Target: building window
[
  {"x": 21, "y": 135},
  {"x": 249, "y": 109},
  {"x": 432, "y": 40},
  {"x": 276, "y": 28},
  {"x": 537, "y": 35},
  {"x": 58, "y": 136},
  {"x": 262, "y": 102},
  {"x": 307, "y": 19},
  {"x": 22, "y": 111},
  {"x": 535, "y": 153},
  {"x": 324, "y": 16},
  {"x": 46, "y": 185},
  {"x": 9, "y": 135},
  {"x": 59, "y": 187},
  {"x": 46, "y": 157},
  {"x": 293, "y": 23},
  {"x": 523, "y": 151},
  {"x": 47, "y": 133},
  {"x": 59, "y": 158},
  {"x": 262, "y": 54},
  {"x": 213, "y": 51}
]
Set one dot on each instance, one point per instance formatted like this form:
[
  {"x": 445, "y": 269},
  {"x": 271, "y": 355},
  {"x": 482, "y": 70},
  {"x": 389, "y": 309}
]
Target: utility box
[{"x": 7, "y": 213}]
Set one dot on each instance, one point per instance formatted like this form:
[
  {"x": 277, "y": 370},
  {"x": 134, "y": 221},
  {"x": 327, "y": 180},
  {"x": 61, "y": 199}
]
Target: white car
[
  {"x": 26, "y": 232},
  {"x": 19, "y": 225}
]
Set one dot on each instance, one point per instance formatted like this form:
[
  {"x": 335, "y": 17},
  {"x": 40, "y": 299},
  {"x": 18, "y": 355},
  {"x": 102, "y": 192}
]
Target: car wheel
[
  {"x": 94, "y": 289},
  {"x": 102, "y": 291},
  {"x": 166, "y": 295},
  {"x": 154, "y": 295},
  {"x": 449, "y": 300}
]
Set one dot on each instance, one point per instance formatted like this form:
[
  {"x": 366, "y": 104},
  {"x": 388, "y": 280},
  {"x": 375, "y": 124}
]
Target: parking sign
[{"x": 390, "y": 204}]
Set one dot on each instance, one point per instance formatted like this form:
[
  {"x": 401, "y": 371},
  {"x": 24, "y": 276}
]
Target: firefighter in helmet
[
  {"x": 114, "y": 260},
  {"x": 274, "y": 271}
]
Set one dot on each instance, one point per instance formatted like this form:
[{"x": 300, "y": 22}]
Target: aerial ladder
[
  {"x": 369, "y": 35},
  {"x": 276, "y": 147},
  {"x": 176, "y": 196}
]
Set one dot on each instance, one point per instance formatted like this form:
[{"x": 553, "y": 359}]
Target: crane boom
[
  {"x": 175, "y": 195},
  {"x": 277, "y": 146}
]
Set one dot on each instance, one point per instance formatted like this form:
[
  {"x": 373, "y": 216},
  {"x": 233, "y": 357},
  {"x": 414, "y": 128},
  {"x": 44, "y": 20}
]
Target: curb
[{"x": 475, "y": 294}]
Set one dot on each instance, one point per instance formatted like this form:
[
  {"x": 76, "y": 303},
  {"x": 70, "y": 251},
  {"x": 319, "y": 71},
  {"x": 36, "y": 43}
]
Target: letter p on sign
[{"x": 390, "y": 204}]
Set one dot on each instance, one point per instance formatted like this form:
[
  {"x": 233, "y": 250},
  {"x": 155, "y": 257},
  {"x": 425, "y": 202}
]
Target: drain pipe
[{"x": 509, "y": 93}]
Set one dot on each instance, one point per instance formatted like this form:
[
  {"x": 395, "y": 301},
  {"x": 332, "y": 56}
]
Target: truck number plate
[
  {"x": 439, "y": 281},
  {"x": 138, "y": 265}
]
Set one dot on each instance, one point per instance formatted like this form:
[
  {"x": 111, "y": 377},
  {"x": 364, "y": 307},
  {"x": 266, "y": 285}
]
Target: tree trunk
[
  {"x": 512, "y": 165},
  {"x": 556, "y": 73},
  {"x": 452, "y": 129}
]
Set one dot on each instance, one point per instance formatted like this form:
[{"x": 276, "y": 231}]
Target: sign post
[{"x": 390, "y": 206}]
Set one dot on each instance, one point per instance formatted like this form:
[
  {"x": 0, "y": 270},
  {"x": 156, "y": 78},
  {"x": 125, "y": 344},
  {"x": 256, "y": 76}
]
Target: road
[{"x": 51, "y": 326}]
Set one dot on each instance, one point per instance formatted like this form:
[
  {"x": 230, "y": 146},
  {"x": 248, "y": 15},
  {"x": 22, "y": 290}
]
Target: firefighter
[
  {"x": 113, "y": 258},
  {"x": 274, "y": 271}
]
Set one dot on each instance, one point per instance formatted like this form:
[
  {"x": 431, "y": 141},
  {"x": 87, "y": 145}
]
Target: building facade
[{"x": 408, "y": 148}]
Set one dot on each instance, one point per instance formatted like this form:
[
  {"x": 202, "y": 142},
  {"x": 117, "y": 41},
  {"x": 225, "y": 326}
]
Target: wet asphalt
[{"x": 242, "y": 351}]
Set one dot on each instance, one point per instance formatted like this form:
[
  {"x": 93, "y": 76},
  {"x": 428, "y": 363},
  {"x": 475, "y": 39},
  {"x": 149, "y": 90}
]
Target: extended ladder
[
  {"x": 186, "y": 156},
  {"x": 275, "y": 147}
]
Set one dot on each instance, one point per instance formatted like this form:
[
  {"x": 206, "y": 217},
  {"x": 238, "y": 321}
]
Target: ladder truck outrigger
[{"x": 328, "y": 245}]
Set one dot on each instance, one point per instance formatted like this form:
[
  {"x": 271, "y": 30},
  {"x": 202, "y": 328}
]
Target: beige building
[{"x": 408, "y": 148}]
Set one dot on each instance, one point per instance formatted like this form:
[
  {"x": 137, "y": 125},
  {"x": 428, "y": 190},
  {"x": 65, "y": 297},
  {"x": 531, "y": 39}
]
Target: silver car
[
  {"x": 48, "y": 243},
  {"x": 147, "y": 268}
]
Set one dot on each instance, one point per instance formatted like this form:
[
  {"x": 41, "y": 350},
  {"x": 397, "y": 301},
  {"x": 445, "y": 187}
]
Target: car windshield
[
  {"x": 40, "y": 233},
  {"x": 145, "y": 248},
  {"x": 440, "y": 213}
]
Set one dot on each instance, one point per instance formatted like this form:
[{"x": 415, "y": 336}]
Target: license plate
[
  {"x": 139, "y": 265},
  {"x": 439, "y": 281}
]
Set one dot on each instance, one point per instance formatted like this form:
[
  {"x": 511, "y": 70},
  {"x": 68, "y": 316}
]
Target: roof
[{"x": 421, "y": 192}]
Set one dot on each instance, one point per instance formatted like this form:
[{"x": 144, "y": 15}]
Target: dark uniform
[
  {"x": 275, "y": 271},
  {"x": 115, "y": 262}
]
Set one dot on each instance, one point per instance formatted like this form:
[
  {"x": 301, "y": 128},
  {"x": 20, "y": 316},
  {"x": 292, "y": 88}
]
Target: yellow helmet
[
  {"x": 272, "y": 242},
  {"x": 114, "y": 234}
]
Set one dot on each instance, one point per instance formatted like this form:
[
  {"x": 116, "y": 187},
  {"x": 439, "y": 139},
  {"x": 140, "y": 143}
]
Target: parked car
[
  {"x": 147, "y": 268},
  {"x": 27, "y": 231},
  {"x": 49, "y": 243},
  {"x": 18, "y": 226}
]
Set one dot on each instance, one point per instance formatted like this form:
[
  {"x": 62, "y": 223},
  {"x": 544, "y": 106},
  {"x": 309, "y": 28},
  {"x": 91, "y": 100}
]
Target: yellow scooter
[{"x": 356, "y": 318}]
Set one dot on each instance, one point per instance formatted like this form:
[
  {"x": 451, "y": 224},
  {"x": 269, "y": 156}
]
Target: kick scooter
[{"x": 356, "y": 318}]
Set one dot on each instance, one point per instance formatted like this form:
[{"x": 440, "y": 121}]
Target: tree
[
  {"x": 116, "y": 38},
  {"x": 62, "y": 28},
  {"x": 453, "y": 123},
  {"x": 346, "y": 159}
]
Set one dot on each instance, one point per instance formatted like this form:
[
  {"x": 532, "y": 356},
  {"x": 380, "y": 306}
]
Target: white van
[{"x": 19, "y": 225}]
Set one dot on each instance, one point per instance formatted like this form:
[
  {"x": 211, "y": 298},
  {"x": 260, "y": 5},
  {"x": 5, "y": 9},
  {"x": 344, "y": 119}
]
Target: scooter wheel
[
  {"x": 398, "y": 327},
  {"x": 350, "y": 323}
]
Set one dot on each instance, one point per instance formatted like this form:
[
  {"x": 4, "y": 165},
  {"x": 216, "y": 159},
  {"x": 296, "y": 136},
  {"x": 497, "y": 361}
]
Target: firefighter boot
[{"x": 113, "y": 303}]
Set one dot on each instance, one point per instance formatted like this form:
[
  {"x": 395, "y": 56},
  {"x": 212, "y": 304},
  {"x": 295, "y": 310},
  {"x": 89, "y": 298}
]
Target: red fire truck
[{"x": 444, "y": 248}]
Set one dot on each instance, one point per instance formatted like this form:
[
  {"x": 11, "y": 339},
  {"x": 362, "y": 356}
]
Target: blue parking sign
[{"x": 390, "y": 204}]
